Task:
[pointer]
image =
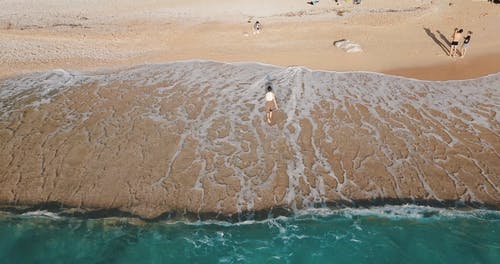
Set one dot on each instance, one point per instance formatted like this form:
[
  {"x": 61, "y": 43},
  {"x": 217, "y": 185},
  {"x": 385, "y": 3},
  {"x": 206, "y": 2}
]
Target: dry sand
[
  {"x": 394, "y": 34},
  {"x": 91, "y": 146}
]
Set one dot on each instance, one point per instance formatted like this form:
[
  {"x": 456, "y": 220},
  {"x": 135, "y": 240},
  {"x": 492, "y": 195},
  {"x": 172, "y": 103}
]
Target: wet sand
[
  {"x": 192, "y": 138},
  {"x": 459, "y": 70}
]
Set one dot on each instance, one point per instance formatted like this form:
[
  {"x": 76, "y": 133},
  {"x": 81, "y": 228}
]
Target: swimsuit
[
  {"x": 269, "y": 96},
  {"x": 466, "y": 40},
  {"x": 269, "y": 102},
  {"x": 269, "y": 106}
]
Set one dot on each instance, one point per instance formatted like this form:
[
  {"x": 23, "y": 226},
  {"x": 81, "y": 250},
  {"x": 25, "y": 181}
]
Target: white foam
[
  {"x": 42, "y": 213},
  {"x": 391, "y": 212},
  {"x": 237, "y": 91},
  {"x": 35, "y": 89}
]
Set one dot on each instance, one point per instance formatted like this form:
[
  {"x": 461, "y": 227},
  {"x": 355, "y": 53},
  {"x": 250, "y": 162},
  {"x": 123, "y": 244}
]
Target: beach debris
[
  {"x": 347, "y": 45},
  {"x": 313, "y": 2}
]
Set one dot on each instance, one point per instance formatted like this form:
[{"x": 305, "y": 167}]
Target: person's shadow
[
  {"x": 446, "y": 41},
  {"x": 444, "y": 44}
]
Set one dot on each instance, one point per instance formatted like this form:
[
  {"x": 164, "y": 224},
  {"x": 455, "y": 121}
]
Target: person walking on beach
[
  {"x": 271, "y": 104},
  {"x": 457, "y": 35},
  {"x": 466, "y": 44}
]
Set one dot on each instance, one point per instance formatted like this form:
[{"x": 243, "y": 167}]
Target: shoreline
[
  {"x": 472, "y": 67},
  {"x": 62, "y": 210}
]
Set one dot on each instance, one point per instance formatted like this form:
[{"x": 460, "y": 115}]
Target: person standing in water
[{"x": 271, "y": 104}]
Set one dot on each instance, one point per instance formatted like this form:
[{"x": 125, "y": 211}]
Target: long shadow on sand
[
  {"x": 444, "y": 44},
  {"x": 443, "y": 37}
]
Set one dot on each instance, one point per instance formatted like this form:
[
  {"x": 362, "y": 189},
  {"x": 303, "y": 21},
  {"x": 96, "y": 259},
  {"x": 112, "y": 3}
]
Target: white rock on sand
[{"x": 348, "y": 46}]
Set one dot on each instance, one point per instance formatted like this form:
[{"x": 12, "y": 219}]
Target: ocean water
[{"x": 390, "y": 234}]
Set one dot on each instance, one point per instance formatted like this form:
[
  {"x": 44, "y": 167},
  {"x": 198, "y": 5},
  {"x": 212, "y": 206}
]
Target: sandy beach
[
  {"x": 157, "y": 108},
  {"x": 397, "y": 37}
]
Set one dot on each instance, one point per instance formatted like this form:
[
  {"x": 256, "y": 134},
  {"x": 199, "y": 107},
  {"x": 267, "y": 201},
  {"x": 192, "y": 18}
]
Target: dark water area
[{"x": 390, "y": 234}]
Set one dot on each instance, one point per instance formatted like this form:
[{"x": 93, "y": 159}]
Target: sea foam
[{"x": 192, "y": 136}]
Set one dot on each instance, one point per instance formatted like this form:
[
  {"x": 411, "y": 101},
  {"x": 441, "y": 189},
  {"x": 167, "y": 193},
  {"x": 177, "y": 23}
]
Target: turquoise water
[{"x": 379, "y": 235}]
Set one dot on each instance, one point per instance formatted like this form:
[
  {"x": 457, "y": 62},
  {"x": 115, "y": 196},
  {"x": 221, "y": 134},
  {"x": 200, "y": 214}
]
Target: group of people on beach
[
  {"x": 270, "y": 97},
  {"x": 456, "y": 38}
]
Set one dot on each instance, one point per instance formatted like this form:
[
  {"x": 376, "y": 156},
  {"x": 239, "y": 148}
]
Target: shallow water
[
  {"x": 390, "y": 234},
  {"x": 192, "y": 136}
]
